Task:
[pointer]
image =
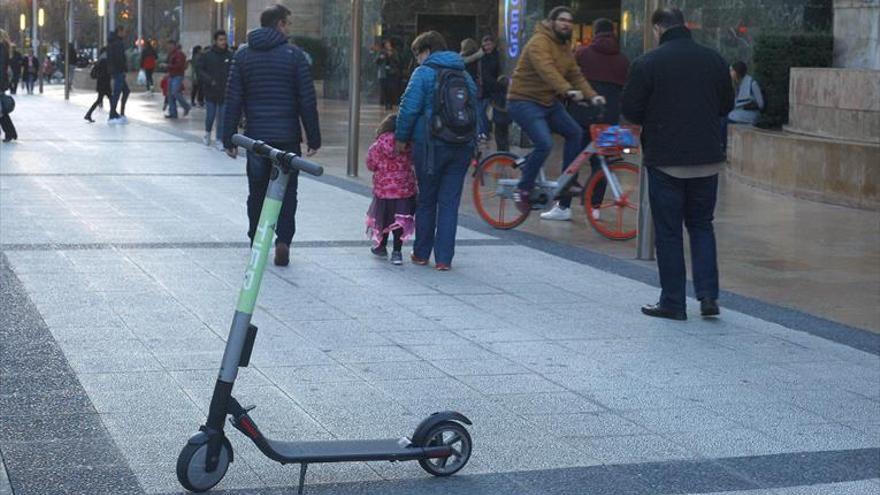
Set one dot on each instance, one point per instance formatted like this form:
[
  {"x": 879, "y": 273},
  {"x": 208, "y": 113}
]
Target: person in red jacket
[
  {"x": 176, "y": 67},
  {"x": 605, "y": 68}
]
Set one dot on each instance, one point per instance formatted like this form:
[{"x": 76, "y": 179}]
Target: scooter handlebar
[{"x": 285, "y": 158}]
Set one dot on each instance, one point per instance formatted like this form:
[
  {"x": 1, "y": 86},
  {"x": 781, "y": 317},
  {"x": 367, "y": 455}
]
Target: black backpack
[{"x": 454, "y": 120}]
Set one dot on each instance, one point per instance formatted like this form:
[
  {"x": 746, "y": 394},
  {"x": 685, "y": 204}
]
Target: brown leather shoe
[{"x": 282, "y": 254}]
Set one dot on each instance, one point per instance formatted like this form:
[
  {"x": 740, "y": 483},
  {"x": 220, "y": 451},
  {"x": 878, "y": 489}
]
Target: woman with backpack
[
  {"x": 101, "y": 74},
  {"x": 442, "y": 151}
]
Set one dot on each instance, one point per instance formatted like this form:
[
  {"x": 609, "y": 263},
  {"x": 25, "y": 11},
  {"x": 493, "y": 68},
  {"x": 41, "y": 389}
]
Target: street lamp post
[
  {"x": 41, "y": 18},
  {"x": 354, "y": 88},
  {"x": 67, "y": 40},
  {"x": 140, "y": 14},
  {"x": 645, "y": 238},
  {"x": 102, "y": 23},
  {"x": 219, "y": 14},
  {"x": 22, "y": 27}
]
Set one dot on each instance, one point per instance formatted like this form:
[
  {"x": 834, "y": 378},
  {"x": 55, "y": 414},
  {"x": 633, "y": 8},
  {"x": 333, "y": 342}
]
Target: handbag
[{"x": 7, "y": 104}]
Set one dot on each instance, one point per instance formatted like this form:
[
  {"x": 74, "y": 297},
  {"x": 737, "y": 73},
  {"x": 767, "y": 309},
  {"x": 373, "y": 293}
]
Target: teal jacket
[{"x": 417, "y": 101}]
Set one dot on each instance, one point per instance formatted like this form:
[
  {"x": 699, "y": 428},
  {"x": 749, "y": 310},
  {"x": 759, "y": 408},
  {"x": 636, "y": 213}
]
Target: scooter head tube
[{"x": 420, "y": 436}]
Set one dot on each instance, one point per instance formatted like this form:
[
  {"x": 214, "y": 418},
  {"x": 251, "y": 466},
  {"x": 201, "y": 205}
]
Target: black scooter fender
[
  {"x": 202, "y": 438},
  {"x": 420, "y": 436}
]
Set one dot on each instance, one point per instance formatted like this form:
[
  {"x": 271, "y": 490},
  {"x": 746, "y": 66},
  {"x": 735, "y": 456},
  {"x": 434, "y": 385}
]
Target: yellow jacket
[{"x": 546, "y": 69}]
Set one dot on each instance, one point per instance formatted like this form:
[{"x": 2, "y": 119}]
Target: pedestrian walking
[
  {"x": 270, "y": 82},
  {"x": 148, "y": 62},
  {"x": 393, "y": 208},
  {"x": 490, "y": 71},
  {"x": 176, "y": 66},
  {"x": 101, "y": 74},
  {"x": 30, "y": 69},
  {"x": 14, "y": 68},
  {"x": 605, "y": 68},
  {"x": 196, "y": 96},
  {"x": 390, "y": 68},
  {"x": 500, "y": 116},
  {"x": 213, "y": 70},
  {"x": 677, "y": 93},
  {"x": 6, "y": 125},
  {"x": 118, "y": 67},
  {"x": 440, "y": 91}
]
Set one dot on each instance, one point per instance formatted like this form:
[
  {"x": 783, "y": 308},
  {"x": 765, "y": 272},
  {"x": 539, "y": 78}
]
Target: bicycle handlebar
[{"x": 285, "y": 158}]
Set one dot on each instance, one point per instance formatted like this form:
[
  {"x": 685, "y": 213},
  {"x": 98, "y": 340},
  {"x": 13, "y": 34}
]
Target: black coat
[
  {"x": 116, "y": 55},
  {"x": 4, "y": 67},
  {"x": 271, "y": 83},
  {"x": 678, "y": 92},
  {"x": 213, "y": 70},
  {"x": 490, "y": 69},
  {"x": 101, "y": 73}
]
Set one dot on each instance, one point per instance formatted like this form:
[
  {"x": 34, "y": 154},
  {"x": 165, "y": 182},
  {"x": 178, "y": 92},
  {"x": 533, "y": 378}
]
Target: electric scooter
[{"x": 441, "y": 443}]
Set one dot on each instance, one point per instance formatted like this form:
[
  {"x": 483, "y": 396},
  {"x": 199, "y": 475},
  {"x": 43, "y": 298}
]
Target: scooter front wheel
[
  {"x": 457, "y": 438},
  {"x": 191, "y": 470}
]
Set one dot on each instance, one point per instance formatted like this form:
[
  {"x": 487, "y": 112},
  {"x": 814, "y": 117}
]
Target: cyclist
[{"x": 545, "y": 72}]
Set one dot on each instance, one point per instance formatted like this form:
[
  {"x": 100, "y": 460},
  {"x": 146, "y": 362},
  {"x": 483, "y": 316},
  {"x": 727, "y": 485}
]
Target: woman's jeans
[
  {"x": 214, "y": 111},
  {"x": 175, "y": 96},
  {"x": 440, "y": 186}
]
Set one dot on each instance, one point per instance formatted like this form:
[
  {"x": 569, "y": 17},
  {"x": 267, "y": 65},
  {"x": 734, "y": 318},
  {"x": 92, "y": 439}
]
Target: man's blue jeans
[
  {"x": 120, "y": 87},
  {"x": 259, "y": 172},
  {"x": 539, "y": 122},
  {"x": 214, "y": 111},
  {"x": 439, "y": 198},
  {"x": 175, "y": 96},
  {"x": 692, "y": 202},
  {"x": 483, "y": 115}
]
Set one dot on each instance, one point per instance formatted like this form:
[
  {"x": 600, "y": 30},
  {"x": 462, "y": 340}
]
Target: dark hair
[
  {"x": 196, "y": 49},
  {"x": 557, "y": 11},
  {"x": 219, "y": 33},
  {"x": 388, "y": 124},
  {"x": 274, "y": 14},
  {"x": 740, "y": 68},
  {"x": 488, "y": 37},
  {"x": 667, "y": 17},
  {"x": 602, "y": 25},
  {"x": 430, "y": 40}
]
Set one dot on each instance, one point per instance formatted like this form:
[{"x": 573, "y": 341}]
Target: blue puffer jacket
[
  {"x": 270, "y": 81},
  {"x": 417, "y": 102}
]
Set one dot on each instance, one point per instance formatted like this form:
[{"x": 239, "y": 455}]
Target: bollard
[
  {"x": 354, "y": 88},
  {"x": 645, "y": 238}
]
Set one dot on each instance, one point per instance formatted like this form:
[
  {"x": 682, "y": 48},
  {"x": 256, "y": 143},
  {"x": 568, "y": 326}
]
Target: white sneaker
[
  {"x": 123, "y": 119},
  {"x": 557, "y": 213},
  {"x": 207, "y": 139},
  {"x": 219, "y": 144},
  {"x": 595, "y": 214},
  {"x": 115, "y": 121}
]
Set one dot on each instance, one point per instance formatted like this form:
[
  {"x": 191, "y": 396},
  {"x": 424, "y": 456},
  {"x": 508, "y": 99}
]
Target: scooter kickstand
[{"x": 302, "y": 478}]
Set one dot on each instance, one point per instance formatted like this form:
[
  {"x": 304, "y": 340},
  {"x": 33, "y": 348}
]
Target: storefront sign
[{"x": 513, "y": 24}]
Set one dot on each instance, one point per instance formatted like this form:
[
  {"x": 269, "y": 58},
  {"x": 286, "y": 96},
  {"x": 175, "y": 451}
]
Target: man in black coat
[
  {"x": 117, "y": 65},
  {"x": 8, "y": 128},
  {"x": 213, "y": 69},
  {"x": 676, "y": 93},
  {"x": 271, "y": 82},
  {"x": 490, "y": 69},
  {"x": 14, "y": 69}
]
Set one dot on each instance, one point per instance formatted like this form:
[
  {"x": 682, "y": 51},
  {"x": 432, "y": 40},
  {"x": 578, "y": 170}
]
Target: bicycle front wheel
[
  {"x": 494, "y": 182},
  {"x": 615, "y": 218}
]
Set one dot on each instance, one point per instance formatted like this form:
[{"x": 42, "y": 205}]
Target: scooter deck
[{"x": 353, "y": 451}]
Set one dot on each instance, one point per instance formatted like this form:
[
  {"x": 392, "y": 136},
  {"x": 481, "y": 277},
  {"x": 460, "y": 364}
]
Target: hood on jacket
[
  {"x": 265, "y": 38},
  {"x": 606, "y": 43},
  {"x": 543, "y": 29},
  {"x": 447, "y": 59}
]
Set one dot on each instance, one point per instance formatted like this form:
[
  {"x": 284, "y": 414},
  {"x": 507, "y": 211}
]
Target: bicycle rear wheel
[
  {"x": 615, "y": 219},
  {"x": 494, "y": 182}
]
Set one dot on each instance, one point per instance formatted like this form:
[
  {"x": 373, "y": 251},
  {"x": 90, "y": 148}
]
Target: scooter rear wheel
[
  {"x": 191, "y": 471},
  {"x": 456, "y": 437}
]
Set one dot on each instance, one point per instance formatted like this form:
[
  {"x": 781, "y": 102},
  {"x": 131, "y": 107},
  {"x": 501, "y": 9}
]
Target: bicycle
[{"x": 496, "y": 178}]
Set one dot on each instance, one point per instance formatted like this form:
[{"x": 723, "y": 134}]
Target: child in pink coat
[{"x": 394, "y": 193}]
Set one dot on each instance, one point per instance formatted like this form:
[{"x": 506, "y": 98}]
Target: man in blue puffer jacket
[
  {"x": 271, "y": 82},
  {"x": 440, "y": 182}
]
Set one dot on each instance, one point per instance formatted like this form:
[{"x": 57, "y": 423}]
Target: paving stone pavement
[{"x": 122, "y": 254}]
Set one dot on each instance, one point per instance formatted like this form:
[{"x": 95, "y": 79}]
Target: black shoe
[
  {"x": 90, "y": 119},
  {"x": 658, "y": 311},
  {"x": 709, "y": 307},
  {"x": 380, "y": 251},
  {"x": 282, "y": 254}
]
